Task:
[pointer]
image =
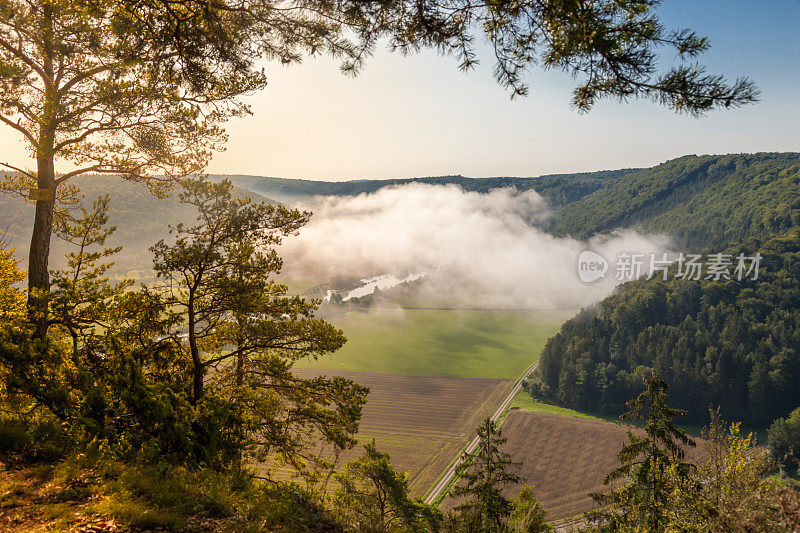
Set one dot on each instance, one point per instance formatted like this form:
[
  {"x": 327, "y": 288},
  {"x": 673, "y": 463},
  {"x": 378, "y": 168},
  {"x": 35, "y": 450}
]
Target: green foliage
[
  {"x": 12, "y": 299},
  {"x": 115, "y": 368},
  {"x": 528, "y": 515},
  {"x": 219, "y": 266},
  {"x": 610, "y": 46},
  {"x": 728, "y": 343},
  {"x": 372, "y": 496},
  {"x": 483, "y": 475},
  {"x": 701, "y": 201},
  {"x": 728, "y": 491},
  {"x": 784, "y": 441},
  {"x": 104, "y": 370},
  {"x": 81, "y": 291},
  {"x": 96, "y": 87},
  {"x": 243, "y": 334},
  {"x": 650, "y": 466},
  {"x": 36, "y": 437}
]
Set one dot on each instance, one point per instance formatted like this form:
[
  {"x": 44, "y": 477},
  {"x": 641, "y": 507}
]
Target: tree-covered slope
[
  {"x": 701, "y": 201},
  {"x": 733, "y": 344}
]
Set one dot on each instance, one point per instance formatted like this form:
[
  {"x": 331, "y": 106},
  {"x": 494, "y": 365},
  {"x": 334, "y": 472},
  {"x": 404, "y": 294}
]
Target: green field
[
  {"x": 457, "y": 343},
  {"x": 524, "y": 402}
]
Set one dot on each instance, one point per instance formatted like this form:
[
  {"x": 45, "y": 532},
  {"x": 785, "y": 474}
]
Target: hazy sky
[{"x": 421, "y": 116}]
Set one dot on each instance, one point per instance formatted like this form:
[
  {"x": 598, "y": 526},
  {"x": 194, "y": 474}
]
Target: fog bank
[{"x": 475, "y": 250}]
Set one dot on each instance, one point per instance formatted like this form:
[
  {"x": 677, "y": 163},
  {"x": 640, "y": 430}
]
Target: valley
[
  {"x": 434, "y": 375},
  {"x": 441, "y": 351},
  {"x": 394, "y": 266}
]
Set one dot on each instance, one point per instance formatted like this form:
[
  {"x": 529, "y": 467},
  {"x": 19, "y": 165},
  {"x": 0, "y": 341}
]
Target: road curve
[{"x": 445, "y": 480}]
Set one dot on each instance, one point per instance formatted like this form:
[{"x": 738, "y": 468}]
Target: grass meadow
[{"x": 455, "y": 343}]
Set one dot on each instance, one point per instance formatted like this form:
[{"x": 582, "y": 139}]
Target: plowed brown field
[
  {"x": 422, "y": 422},
  {"x": 564, "y": 457}
]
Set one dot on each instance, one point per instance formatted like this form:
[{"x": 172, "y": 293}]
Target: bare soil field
[
  {"x": 422, "y": 422},
  {"x": 565, "y": 458}
]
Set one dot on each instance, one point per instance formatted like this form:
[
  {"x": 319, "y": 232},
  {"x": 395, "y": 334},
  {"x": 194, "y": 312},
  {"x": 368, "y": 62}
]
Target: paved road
[{"x": 437, "y": 490}]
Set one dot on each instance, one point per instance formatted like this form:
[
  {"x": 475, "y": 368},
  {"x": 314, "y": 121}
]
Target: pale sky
[{"x": 420, "y": 116}]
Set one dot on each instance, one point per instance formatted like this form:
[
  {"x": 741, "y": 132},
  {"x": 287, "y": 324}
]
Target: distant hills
[
  {"x": 141, "y": 219},
  {"x": 559, "y": 189},
  {"x": 701, "y": 201}
]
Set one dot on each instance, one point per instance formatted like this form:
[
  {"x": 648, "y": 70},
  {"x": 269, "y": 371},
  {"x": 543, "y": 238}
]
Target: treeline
[
  {"x": 701, "y": 201},
  {"x": 732, "y": 344},
  {"x": 558, "y": 189}
]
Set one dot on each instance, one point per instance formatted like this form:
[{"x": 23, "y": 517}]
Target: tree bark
[
  {"x": 239, "y": 461},
  {"x": 198, "y": 370},
  {"x": 39, "y": 255}
]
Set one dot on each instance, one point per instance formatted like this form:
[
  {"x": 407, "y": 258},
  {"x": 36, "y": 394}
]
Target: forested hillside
[
  {"x": 733, "y": 344},
  {"x": 700, "y": 201},
  {"x": 559, "y": 189}
]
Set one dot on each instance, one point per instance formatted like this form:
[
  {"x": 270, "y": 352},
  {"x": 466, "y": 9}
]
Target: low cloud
[{"x": 476, "y": 250}]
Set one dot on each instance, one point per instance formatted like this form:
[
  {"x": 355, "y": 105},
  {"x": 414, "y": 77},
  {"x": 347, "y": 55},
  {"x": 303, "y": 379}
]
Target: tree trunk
[
  {"x": 198, "y": 370},
  {"x": 197, "y": 384},
  {"x": 39, "y": 256},
  {"x": 239, "y": 461},
  {"x": 239, "y": 367}
]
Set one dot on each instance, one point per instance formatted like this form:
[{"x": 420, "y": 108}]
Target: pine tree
[
  {"x": 80, "y": 293},
  {"x": 483, "y": 477},
  {"x": 649, "y": 465},
  {"x": 374, "y": 496},
  {"x": 203, "y": 267},
  {"x": 243, "y": 333}
]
